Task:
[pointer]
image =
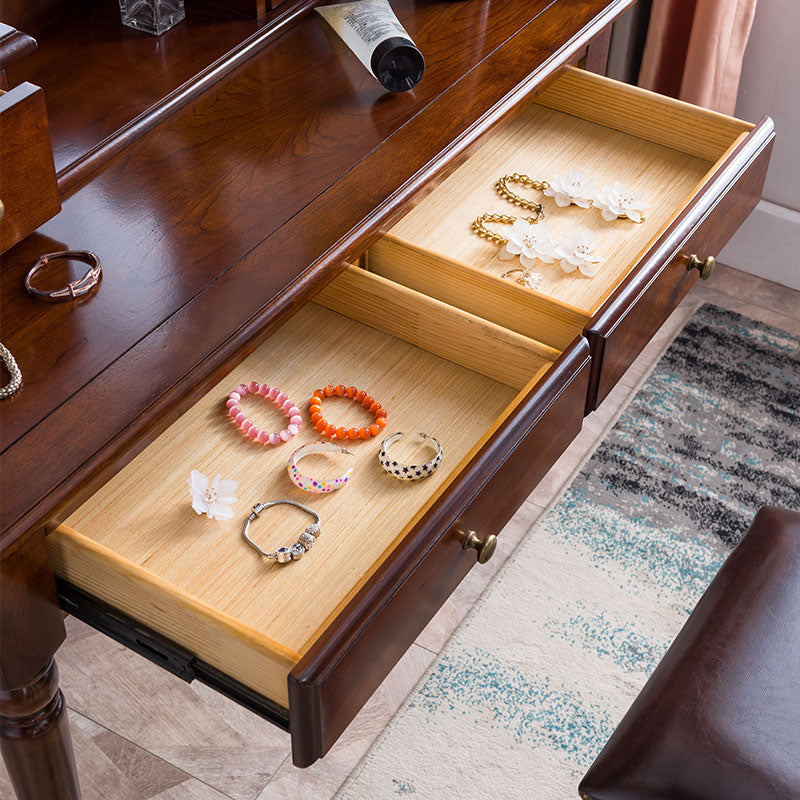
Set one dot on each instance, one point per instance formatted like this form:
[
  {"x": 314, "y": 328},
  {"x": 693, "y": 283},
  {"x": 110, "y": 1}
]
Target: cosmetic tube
[{"x": 372, "y": 31}]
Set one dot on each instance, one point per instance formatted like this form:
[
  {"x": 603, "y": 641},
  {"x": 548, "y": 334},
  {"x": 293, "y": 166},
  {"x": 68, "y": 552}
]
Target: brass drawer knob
[
  {"x": 485, "y": 548},
  {"x": 705, "y": 268}
]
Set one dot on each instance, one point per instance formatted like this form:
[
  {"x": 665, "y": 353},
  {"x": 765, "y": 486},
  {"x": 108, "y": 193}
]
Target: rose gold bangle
[
  {"x": 360, "y": 396},
  {"x": 73, "y": 289}
]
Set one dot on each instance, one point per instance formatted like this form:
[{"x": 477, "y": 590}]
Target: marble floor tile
[
  {"x": 190, "y": 789},
  {"x": 754, "y": 290},
  {"x": 150, "y": 774},
  {"x": 189, "y": 726},
  {"x": 323, "y": 779},
  {"x": 771, "y": 316},
  {"x": 111, "y": 767}
]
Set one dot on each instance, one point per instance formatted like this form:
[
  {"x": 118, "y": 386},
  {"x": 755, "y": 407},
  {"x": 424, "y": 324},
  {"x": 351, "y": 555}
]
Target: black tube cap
[{"x": 397, "y": 64}]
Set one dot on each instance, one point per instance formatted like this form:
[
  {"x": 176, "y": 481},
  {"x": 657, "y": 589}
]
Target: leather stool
[{"x": 719, "y": 718}]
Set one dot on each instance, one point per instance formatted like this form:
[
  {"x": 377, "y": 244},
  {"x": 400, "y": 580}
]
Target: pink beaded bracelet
[{"x": 280, "y": 399}]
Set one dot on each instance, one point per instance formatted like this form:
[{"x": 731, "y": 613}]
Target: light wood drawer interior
[
  {"x": 664, "y": 148},
  {"x": 139, "y": 547}
]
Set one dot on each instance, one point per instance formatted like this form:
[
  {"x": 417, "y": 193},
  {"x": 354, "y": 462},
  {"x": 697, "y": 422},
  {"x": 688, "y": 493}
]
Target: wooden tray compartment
[
  {"x": 137, "y": 546},
  {"x": 667, "y": 149}
]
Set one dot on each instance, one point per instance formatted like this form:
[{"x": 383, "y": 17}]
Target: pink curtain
[{"x": 694, "y": 50}]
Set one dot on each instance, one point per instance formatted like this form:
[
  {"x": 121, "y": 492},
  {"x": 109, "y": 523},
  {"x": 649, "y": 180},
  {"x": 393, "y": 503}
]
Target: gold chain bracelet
[
  {"x": 515, "y": 199},
  {"x": 482, "y": 231}
]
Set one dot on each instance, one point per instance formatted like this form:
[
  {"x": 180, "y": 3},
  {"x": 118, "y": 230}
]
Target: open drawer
[
  {"x": 702, "y": 173},
  {"x": 307, "y": 643}
]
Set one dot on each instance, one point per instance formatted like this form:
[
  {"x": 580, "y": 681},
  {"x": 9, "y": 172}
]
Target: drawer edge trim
[
  {"x": 705, "y": 202},
  {"x": 319, "y": 662},
  {"x": 661, "y": 255}
]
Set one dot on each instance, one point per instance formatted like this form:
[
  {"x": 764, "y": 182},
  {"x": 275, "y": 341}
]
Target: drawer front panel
[
  {"x": 627, "y": 321},
  {"x": 339, "y": 674}
]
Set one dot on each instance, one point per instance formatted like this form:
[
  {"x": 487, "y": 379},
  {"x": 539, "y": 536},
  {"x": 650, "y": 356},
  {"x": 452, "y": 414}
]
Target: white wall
[{"x": 768, "y": 243}]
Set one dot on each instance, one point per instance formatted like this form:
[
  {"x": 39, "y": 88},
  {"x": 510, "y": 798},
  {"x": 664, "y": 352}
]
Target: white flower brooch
[
  {"x": 214, "y": 499},
  {"x": 529, "y": 242},
  {"x": 574, "y": 188},
  {"x": 616, "y": 202},
  {"x": 576, "y": 251},
  {"x": 533, "y": 242}
]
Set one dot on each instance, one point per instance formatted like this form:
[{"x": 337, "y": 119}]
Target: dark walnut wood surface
[
  {"x": 120, "y": 72},
  {"x": 222, "y": 218}
]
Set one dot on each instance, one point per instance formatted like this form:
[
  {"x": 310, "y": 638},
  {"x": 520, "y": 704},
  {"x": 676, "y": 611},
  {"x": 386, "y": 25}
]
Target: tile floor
[{"x": 141, "y": 734}]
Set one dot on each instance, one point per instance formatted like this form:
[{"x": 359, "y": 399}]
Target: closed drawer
[
  {"x": 702, "y": 173},
  {"x": 503, "y": 405}
]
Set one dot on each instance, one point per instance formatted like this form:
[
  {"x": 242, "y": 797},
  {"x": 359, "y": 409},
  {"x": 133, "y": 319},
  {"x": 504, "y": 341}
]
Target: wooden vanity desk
[{"x": 265, "y": 213}]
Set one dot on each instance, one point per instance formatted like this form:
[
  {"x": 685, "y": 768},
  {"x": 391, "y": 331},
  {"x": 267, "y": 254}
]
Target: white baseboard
[{"x": 767, "y": 245}]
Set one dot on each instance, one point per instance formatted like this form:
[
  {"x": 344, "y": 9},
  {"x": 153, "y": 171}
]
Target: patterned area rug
[{"x": 531, "y": 686}]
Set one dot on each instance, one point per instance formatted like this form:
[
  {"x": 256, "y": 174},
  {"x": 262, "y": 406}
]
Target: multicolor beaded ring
[
  {"x": 280, "y": 399},
  {"x": 317, "y": 485},
  {"x": 368, "y": 401}
]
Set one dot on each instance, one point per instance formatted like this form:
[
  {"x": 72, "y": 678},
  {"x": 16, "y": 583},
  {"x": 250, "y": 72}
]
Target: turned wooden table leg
[
  {"x": 35, "y": 739},
  {"x": 34, "y": 732}
]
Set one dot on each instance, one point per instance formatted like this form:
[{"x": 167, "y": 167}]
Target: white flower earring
[
  {"x": 532, "y": 241},
  {"x": 574, "y": 188},
  {"x": 576, "y": 250},
  {"x": 528, "y": 238},
  {"x": 212, "y": 498},
  {"x": 616, "y": 202},
  {"x": 577, "y": 189},
  {"x": 613, "y": 202}
]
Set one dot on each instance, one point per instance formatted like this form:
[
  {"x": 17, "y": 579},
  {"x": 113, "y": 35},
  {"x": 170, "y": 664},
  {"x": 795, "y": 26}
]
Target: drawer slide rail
[{"x": 163, "y": 651}]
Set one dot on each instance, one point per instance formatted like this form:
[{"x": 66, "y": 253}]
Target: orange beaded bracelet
[{"x": 328, "y": 429}]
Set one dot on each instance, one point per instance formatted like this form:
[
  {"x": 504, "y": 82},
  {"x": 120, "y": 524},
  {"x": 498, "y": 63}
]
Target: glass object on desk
[{"x": 151, "y": 16}]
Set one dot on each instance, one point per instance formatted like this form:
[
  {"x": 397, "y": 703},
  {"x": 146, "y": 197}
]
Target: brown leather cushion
[{"x": 720, "y": 717}]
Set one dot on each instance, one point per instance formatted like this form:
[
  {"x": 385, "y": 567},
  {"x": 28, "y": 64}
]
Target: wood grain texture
[
  {"x": 627, "y": 321},
  {"x": 540, "y": 142},
  {"x": 475, "y": 290},
  {"x": 494, "y": 351},
  {"x": 252, "y": 9},
  {"x": 31, "y": 625},
  {"x": 272, "y": 129},
  {"x": 29, "y": 192},
  {"x": 30, "y": 17},
  {"x": 646, "y": 115},
  {"x": 149, "y": 73},
  {"x": 35, "y": 739},
  {"x": 164, "y": 263},
  {"x": 379, "y": 624},
  {"x": 151, "y": 560}
]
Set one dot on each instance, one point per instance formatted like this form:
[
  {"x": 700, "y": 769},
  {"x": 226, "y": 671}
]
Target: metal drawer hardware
[
  {"x": 705, "y": 268},
  {"x": 164, "y": 652},
  {"x": 485, "y": 548}
]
